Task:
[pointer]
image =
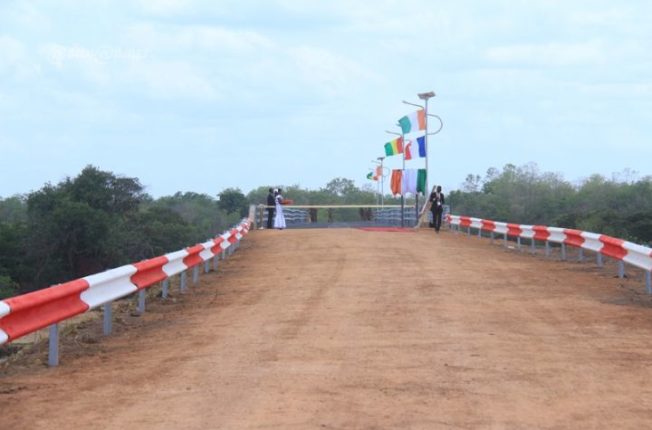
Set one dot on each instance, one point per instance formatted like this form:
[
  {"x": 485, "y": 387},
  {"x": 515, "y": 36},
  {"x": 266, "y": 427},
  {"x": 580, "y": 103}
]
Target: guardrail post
[
  {"x": 563, "y": 251},
  {"x": 598, "y": 259},
  {"x": 492, "y": 237},
  {"x": 207, "y": 266},
  {"x": 518, "y": 242},
  {"x": 479, "y": 232},
  {"x": 165, "y": 287},
  {"x": 468, "y": 231},
  {"x": 547, "y": 249},
  {"x": 505, "y": 239},
  {"x": 533, "y": 246},
  {"x": 141, "y": 302},
  {"x": 195, "y": 274},
  {"x": 224, "y": 255},
  {"x": 215, "y": 260},
  {"x": 621, "y": 269},
  {"x": 648, "y": 281},
  {"x": 580, "y": 256},
  {"x": 53, "y": 350},
  {"x": 107, "y": 319},
  {"x": 182, "y": 282}
]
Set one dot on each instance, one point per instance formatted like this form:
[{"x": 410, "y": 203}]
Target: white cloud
[
  {"x": 164, "y": 7},
  {"x": 15, "y": 59},
  {"x": 12, "y": 52},
  {"x": 618, "y": 90},
  {"x": 25, "y": 14},
  {"x": 118, "y": 67},
  {"x": 159, "y": 37},
  {"x": 91, "y": 64},
  {"x": 332, "y": 73},
  {"x": 172, "y": 80},
  {"x": 549, "y": 54}
]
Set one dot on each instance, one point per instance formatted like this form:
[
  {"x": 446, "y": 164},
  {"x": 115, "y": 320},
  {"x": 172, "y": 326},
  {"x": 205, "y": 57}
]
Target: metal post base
[
  {"x": 53, "y": 350},
  {"x": 141, "y": 302},
  {"x": 107, "y": 319}
]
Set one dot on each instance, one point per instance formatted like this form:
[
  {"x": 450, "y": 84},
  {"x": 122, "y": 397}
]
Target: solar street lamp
[
  {"x": 382, "y": 182},
  {"x": 425, "y": 97},
  {"x": 403, "y": 172}
]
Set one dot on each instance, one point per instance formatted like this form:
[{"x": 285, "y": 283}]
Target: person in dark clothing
[
  {"x": 437, "y": 206},
  {"x": 271, "y": 204}
]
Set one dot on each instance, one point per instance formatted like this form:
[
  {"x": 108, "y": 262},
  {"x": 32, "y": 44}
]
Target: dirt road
[{"x": 346, "y": 329}]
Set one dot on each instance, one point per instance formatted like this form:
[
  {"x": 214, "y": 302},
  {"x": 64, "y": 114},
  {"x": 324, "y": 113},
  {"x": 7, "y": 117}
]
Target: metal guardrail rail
[{"x": 341, "y": 216}]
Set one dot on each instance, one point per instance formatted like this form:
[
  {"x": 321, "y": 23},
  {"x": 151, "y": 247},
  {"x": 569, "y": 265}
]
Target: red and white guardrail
[
  {"x": 618, "y": 249},
  {"x": 27, "y": 313}
]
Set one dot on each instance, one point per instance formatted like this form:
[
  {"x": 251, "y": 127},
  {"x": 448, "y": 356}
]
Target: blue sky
[{"x": 203, "y": 95}]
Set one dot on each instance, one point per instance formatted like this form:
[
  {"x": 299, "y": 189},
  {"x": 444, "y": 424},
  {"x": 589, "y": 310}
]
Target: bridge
[{"x": 349, "y": 328}]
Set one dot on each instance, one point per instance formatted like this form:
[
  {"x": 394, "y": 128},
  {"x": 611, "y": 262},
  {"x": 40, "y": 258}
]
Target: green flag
[{"x": 421, "y": 181}]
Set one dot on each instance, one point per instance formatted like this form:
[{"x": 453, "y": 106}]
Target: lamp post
[
  {"x": 379, "y": 161},
  {"x": 382, "y": 182},
  {"x": 403, "y": 173},
  {"x": 425, "y": 97}
]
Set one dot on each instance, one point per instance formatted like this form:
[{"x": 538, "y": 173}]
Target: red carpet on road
[{"x": 390, "y": 229}]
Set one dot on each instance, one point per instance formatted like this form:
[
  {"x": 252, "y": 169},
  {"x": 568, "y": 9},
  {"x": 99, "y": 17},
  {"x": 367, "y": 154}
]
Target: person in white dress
[{"x": 279, "y": 219}]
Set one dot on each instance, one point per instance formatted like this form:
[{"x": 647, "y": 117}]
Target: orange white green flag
[{"x": 413, "y": 122}]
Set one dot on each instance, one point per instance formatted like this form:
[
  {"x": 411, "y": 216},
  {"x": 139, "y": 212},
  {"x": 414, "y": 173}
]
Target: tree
[
  {"x": 233, "y": 201},
  {"x": 74, "y": 226},
  {"x": 200, "y": 211},
  {"x": 340, "y": 187},
  {"x": 13, "y": 209},
  {"x": 471, "y": 183}
]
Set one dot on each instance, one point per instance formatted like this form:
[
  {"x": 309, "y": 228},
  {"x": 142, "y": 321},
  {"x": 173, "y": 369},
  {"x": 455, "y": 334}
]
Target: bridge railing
[
  {"x": 601, "y": 245},
  {"x": 320, "y": 216},
  {"x": 27, "y": 313}
]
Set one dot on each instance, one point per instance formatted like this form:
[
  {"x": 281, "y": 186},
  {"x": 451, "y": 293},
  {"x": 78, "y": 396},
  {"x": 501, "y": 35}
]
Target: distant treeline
[
  {"x": 98, "y": 220},
  {"x": 620, "y": 206}
]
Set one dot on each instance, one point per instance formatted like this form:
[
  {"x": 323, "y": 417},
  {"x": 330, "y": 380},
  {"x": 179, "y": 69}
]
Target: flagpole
[
  {"x": 382, "y": 182},
  {"x": 378, "y": 182},
  {"x": 403, "y": 179},
  {"x": 426, "y": 97},
  {"x": 402, "y": 173}
]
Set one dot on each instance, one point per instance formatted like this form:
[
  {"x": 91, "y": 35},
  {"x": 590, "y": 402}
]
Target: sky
[{"x": 204, "y": 95}]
